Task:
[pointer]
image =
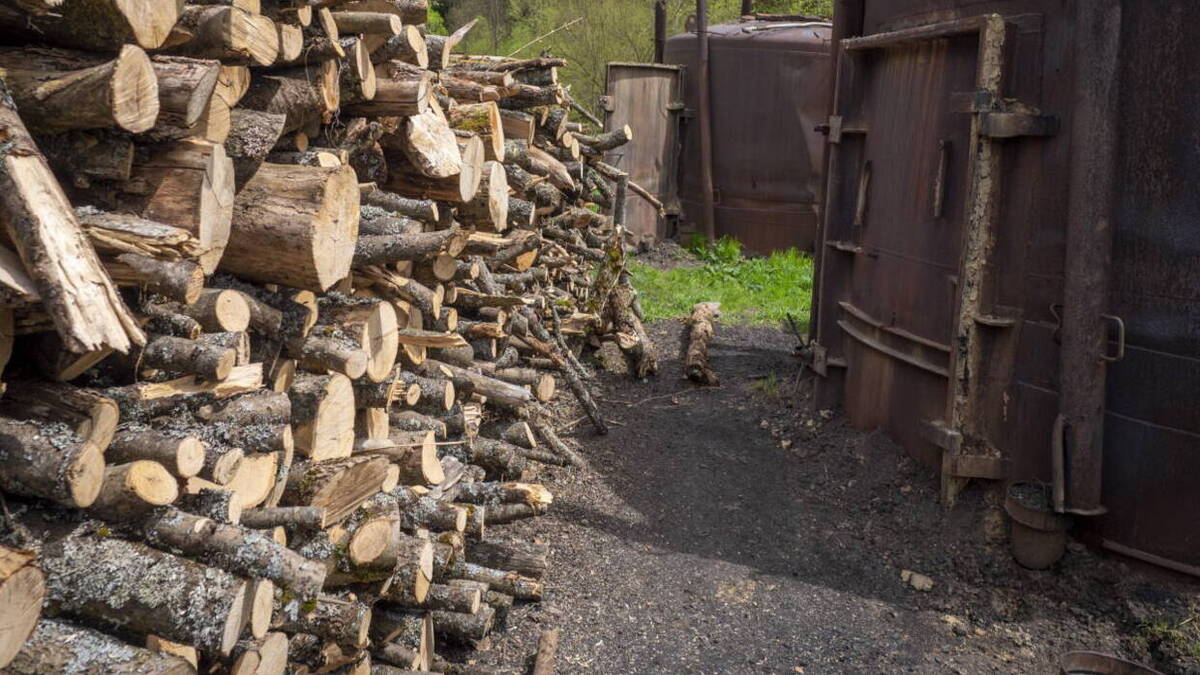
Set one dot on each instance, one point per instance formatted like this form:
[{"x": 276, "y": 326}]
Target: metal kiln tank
[
  {"x": 770, "y": 84},
  {"x": 1008, "y": 277}
]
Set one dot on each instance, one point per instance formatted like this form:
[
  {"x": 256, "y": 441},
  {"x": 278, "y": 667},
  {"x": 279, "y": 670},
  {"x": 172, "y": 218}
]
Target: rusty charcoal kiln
[
  {"x": 770, "y": 88},
  {"x": 1008, "y": 268}
]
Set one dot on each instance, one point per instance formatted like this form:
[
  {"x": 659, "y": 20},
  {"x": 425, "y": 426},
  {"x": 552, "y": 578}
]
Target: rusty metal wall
[
  {"x": 646, "y": 97},
  {"x": 943, "y": 253},
  {"x": 770, "y": 88}
]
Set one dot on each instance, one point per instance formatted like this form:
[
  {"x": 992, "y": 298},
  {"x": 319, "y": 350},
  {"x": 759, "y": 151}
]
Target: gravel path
[{"x": 724, "y": 531}]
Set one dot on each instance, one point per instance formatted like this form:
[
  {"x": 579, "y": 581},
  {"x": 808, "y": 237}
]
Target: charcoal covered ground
[{"x": 736, "y": 530}]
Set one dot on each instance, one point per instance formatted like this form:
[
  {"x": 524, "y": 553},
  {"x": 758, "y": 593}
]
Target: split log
[
  {"x": 188, "y": 184},
  {"x": 22, "y": 593},
  {"x": 338, "y": 486},
  {"x": 695, "y": 362},
  {"x": 323, "y": 415},
  {"x": 296, "y": 226},
  {"x": 76, "y": 291},
  {"x": 429, "y": 144},
  {"x": 59, "y": 647},
  {"x": 132, "y": 587},
  {"x": 58, "y": 90}
]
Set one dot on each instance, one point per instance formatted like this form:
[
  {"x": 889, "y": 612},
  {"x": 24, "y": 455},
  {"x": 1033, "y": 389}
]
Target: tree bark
[
  {"x": 51, "y": 464},
  {"x": 59, "y": 647},
  {"x": 132, "y": 489},
  {"x": 132, "y": 587},
  {"x": 695, "y": 362}
]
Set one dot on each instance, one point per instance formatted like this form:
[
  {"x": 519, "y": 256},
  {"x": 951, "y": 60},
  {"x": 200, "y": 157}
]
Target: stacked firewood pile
[{"x": 286, "y": 286}]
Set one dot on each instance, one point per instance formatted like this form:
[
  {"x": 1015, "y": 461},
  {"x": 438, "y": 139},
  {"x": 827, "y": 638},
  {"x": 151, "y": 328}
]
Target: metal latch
[{"x": 606, "y": 104}]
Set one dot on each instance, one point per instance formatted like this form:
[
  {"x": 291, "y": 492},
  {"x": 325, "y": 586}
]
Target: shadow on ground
[{"x": 733, "y": 530}]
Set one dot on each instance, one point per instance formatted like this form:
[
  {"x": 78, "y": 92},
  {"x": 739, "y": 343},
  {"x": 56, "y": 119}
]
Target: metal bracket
[
  {"x": 606, "y": 104},
  {"x": 835, "y": 128},
  {"x": 1120, "y": 339}
]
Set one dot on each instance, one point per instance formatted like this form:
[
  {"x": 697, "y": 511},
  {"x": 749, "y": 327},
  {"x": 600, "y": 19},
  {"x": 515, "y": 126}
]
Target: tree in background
[{"x": 604, "y": 31}]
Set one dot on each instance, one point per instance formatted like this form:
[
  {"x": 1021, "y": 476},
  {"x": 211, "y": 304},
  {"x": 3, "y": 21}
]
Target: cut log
[
  {"x": 296, "y": 226},
  {"x": 407, "y": 180},
  {"x": 183, "y": 455},
  {"x": 323, "y": 415},
  {"x": 182, "y": 281},
  {"x": 388, "y": 249},
  {"x": 421, "y": 209},
  {"x": 339, "y": 620},
  {"x": 59, "y": 647},
  {"x": 221, "y": 506},
  {"x": 238, "y": 550},
  {"x": 308, "y": 96},
  {"x": 429, "y": 144},
  {"x": 226, "y": 33},
  {"x": 270, "y": 653},
  {"x": 58, "y": 90},
  {"x": 90, "y": 415},
  {"x": 51, "y": 463},
  {"x": 184, "y": 356},
  {"x": 185, "y": 87},
  {"x": 459, "y": 627},
  {"x": 22, "y": 592},
  {"x": 221, "y": 463},
  {"x": 488, "y": 209},
  {"x": 695, "y": 362},
  {"x": 525, "y": 558},
  {"x": 100, "y": 25},
  {"x": 547, "y": 653},
  {"x": 135, "y": 488},
  {"x": 395, "y": 97},
  {"x": 509, "y": 583},
  {"x": 378, "y": 23},
  {"x": 291, "y": 517},
  {"x": 132, "y": 587},
  {"x": 76, "y": 291}
]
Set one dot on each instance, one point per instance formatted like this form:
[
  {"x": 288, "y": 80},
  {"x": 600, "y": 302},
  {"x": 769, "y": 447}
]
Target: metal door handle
[
  {"x": 939, "y": 181},
  {"x": 1120, "y": 339}
]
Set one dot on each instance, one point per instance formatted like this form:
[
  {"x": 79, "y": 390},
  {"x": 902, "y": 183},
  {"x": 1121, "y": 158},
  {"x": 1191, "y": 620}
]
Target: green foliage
[
  {"x": 750, "y": 290},
  {"x": 436, "y": 24},
  {"x": 606, "y": 31}
]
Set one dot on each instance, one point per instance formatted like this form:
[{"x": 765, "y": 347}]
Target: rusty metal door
[
  {"x": 646, "y": 96},
  {"x": 907, "y": 326}
]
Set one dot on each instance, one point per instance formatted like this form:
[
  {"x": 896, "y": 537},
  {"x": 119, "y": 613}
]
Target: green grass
[{"x": 750, "y": 290}]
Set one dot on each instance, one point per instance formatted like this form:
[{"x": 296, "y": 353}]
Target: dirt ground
[{"x": 735, "y": 530}]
